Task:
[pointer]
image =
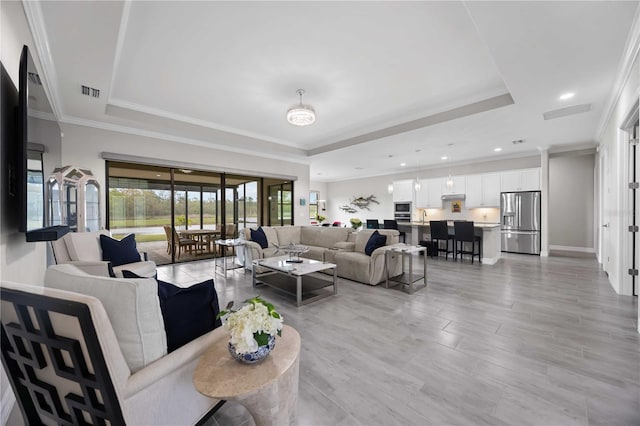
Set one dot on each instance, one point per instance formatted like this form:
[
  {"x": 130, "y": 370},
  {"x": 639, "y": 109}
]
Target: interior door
[{"x": 605, "y": 192}]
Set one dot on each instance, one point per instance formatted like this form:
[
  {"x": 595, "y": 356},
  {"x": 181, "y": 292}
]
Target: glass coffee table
[{"x": 300, "y": 279}]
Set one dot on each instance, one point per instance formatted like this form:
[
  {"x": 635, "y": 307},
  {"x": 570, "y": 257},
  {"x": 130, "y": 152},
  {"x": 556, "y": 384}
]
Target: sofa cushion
[
  {"x": 308, "y": 235},
  {"x": 315, "y": 253},
  {"x": 132, "y": 306},
  {"x": 259, "y": 237},
  {"x": 328, "y": 237},
  {"x": 362, "y": 237},
  {"x": 188, "y": 312},
  {"x": 288, "y": 235},
  {"x": 84, "y": 246},
  {"x": 375, "y": 241},
  {"x": 143, "y": 269},
  {"x": 272, "y": 235},
  {"x": 119, "y": 252}
]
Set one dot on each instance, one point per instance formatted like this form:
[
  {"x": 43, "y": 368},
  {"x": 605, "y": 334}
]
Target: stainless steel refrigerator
[{"x": 520, "y": 222}]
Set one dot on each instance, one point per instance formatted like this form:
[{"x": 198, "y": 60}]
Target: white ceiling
[{"x": 224, "y": 74}]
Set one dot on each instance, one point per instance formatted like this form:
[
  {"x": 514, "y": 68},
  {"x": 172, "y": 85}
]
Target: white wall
[
  {"x": 19, "y": 261},
  {"x": 613, "y": 147},
  {"x": 82, "y": 147},
  {"x": 571, "y": 198}
]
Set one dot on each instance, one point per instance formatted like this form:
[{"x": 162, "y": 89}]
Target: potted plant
[
  {"x": 320, "y": 218},
  {"x": 355, "y": 223},
  {"x": 253, "y": 329}
]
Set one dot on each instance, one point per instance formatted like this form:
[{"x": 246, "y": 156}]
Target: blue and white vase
[{"x": 253, "y": 357}]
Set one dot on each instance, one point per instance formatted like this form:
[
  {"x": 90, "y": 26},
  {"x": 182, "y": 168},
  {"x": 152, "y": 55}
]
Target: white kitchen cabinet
[
  {"x": 491, "y": 190},
  {"x": 458, "y": 186},
  {"x": 422, "y": 195},
  {"x": 402, "y": 190},
  {"x": 483, "y": 190},
  {"x": 520, "y": 180},
  {"x": 435, "y": 193},
  {"x": 473, "y": 196},
  {"x": 428, "y": 197},
  {"x": 530, "y": 180}
]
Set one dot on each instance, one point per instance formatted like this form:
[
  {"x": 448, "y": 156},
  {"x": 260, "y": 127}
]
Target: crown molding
[
  {"x": 33, "y": 12},
  {"x": 283, "y": 156},
  {"x": 631, "y": 50}
]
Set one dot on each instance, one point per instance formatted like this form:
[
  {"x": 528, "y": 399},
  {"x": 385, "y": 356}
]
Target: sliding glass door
[{"x": 163, "y": 206}]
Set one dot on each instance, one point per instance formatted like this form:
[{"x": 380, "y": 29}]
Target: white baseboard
[
  {"x": 570, "y": 248},
  {"x": 544, "y": 253}
]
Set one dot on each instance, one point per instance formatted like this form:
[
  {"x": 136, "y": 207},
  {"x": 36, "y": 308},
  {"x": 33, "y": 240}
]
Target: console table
[{"x": 268, "y": 389}]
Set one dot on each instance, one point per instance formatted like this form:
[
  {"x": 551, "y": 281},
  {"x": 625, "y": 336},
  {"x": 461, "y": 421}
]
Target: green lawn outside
[
  {"x": 153, "y": 221},
  {"x": 142, "y": 238}
]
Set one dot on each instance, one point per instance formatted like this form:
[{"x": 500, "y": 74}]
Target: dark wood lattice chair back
[{"x": 56, "y": 378}]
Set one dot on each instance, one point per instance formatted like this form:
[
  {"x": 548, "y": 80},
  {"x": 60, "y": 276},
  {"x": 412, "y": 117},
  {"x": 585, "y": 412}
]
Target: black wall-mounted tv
[{"x": 36, "y": 124}]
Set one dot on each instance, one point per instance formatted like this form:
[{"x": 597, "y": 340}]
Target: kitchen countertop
[{"x": 483, "y": 225}]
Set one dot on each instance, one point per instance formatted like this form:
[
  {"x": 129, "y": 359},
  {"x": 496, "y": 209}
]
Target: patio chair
[{"x": 180, "y": 242}]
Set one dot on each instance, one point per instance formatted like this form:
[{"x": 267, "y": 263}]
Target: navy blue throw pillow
[
  {"x": 259, "y": 237},
  {"x": 376, "y": 240},
  {"x": 119, "y": 252},
  {"x": 188, "y": 312}
]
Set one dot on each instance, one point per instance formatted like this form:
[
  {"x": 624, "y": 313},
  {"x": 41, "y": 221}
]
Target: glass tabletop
[{"x": 302, "y": 267}]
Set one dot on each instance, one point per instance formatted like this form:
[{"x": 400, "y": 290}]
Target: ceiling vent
[
  {"x": 90, "y": 91},
  {"x": 563, "y": 112}
]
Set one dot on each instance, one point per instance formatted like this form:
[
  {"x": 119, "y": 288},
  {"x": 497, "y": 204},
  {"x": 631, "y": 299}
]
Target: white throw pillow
[
  {"x": 132, "y": 305},
  {"x": 84, "y": 246}
]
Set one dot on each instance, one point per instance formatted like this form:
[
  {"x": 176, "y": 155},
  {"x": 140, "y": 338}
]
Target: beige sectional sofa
[{"x": 336, "y": 245}]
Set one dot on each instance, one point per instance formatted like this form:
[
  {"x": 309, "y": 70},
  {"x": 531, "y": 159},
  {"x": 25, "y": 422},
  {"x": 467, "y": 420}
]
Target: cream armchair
[
  {"x": 78, "y": 354},
  {"x": 83, "y": 250}
]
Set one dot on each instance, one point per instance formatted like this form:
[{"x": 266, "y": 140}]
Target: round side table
[{"x": 268, "y": 390}]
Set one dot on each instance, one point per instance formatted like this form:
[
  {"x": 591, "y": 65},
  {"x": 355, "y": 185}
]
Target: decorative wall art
[
  {"x": 347, "y": 208},
  {"x": 456, "y": 206},
  {"x": 363, "y": 203}
]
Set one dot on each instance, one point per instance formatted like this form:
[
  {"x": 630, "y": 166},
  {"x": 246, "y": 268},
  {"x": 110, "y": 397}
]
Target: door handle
[{"x": 606, "y": 225}]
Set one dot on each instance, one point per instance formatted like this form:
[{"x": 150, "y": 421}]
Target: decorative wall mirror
[{"x": 74, "y": 199}]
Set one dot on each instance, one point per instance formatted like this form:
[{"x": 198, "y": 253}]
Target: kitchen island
[{"x": 490, "y": 233}]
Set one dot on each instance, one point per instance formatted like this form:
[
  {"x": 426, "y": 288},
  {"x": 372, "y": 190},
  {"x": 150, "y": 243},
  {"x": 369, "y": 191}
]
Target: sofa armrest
[
  {"x": 157, "y": 370},
  {"x": 344, "y": 246},
  {"x": 254, "y": 250},
  {"x": 101, "y": 268}
]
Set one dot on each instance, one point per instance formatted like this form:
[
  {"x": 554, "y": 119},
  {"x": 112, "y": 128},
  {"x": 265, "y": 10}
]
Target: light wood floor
[{"x": 528, "y": 341}]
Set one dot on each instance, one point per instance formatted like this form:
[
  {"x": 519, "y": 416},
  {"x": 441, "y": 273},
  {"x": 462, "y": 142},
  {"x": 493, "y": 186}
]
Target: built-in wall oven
[{"x": 402, "y": 211}]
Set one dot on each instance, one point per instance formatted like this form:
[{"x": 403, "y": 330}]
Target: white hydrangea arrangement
[{"x": 251, "y": 325}]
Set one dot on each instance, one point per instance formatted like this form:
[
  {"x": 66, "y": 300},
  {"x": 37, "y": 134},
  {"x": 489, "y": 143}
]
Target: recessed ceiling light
[
  {"x": 444, "y": 157},
  {"x": 566, "y": 96},
  {"x": 497, "y": 149},
  {"x": 187, "y": 171},
  {"x": 403, "y": 164},
  {"x": 158, "y": 175}
]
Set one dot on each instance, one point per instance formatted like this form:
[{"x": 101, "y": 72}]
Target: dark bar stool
[
  {"x": 465, "y": 233},
  {"x": 393, "y": 224},
  {"x": 440, "y": 232},
  {"x": 373, "y": 224}
]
